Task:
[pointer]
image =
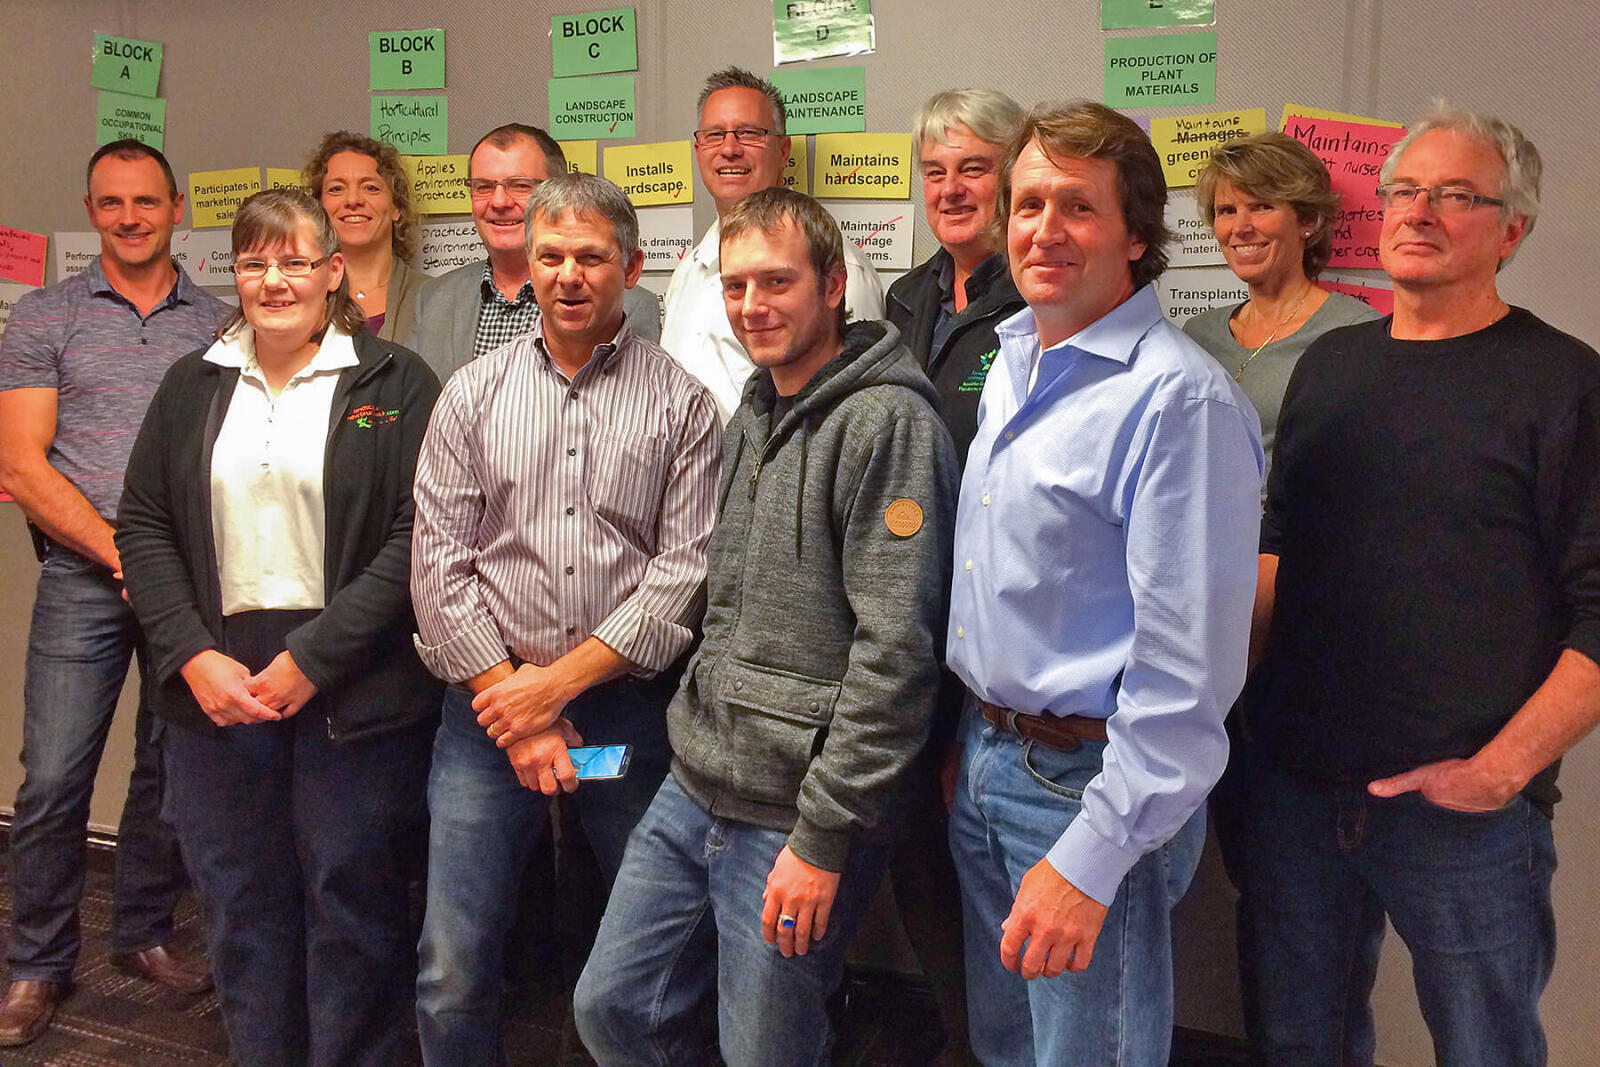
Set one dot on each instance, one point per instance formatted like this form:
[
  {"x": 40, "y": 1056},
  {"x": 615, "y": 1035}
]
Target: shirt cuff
[
  {"x": 649, "y": 643},
  {"x": 466, "y": 655},
  {"x": 1090, "y": 862},
  {"x": 825, "y": 849}
]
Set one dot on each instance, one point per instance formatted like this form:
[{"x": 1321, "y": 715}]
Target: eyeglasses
[
  {"x": 1444, "y": 199},
  {"x": 746, "y": 135},
  {"x": 517, "y": 187},
  {"x": 294, "y": 267}
]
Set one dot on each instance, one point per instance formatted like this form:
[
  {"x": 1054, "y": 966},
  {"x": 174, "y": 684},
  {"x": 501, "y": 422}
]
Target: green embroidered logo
[
  {"x": 974, "y": 381},
  {"x": 369, "y": 415}
]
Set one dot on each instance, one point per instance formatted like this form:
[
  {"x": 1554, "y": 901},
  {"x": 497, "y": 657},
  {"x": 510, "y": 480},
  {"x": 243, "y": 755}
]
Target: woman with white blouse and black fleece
[{"x": 265, "y": 532}]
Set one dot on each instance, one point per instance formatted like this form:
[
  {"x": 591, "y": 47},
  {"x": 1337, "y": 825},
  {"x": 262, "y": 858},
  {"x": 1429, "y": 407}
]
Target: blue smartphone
[{"x": 600, "y": 761}]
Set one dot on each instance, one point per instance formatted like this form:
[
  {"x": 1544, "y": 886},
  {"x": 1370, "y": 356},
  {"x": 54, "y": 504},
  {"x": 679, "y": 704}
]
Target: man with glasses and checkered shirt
[
  {"x": 476, "y": 308},
  {"x": 1429, "y": 606},
  {"x": 739, "y": 147}
]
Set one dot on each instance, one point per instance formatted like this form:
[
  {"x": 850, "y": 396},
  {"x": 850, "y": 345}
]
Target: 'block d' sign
[
  {"x": 123, "y": 65},
  {"x": 595, "y": 42},
  {"x": 406, "y": 59}
]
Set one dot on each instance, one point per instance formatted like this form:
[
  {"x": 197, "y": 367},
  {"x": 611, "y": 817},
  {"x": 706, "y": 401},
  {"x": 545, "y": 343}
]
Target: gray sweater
[
  {"x": 1268, "y": 374},
  {"x": 816, "y": 682}
]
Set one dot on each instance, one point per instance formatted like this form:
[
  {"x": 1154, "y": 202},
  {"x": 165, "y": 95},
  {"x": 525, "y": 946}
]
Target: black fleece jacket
[{"x": 358, "y": 649}]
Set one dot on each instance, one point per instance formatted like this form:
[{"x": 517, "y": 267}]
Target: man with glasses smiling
[
  {"x": 1430, "y": 577},
  {"x": 478, "y": 307},
  {"x": 739, "y": 146}
]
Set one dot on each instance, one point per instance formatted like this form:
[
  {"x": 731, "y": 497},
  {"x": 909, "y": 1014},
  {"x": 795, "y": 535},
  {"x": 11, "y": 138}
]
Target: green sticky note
[
  {"x": 416, "y": 125},
  {"x": 124, "y": 65},
  {"x": 824, "y": 99},
  {"x": 405, "y": 59},
  {"x": 594, "y": 42},
  {"x": 587, "y": 108},
  {"x": 1167, "y": 71},
  {"x": 1140, "y": 14},
  {"x": 119, "y": 115},
  {"x": 812, "y": 29}
]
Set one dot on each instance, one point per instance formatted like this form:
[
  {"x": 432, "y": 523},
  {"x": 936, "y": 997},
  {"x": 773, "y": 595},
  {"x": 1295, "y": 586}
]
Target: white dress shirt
[
  {"x": 696, "y": 330},
  {"x": 267, "y": 513}
]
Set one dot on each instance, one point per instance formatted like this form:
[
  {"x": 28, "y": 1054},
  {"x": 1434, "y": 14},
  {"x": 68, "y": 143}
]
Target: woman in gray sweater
[{"x": 1271, "y": 205}]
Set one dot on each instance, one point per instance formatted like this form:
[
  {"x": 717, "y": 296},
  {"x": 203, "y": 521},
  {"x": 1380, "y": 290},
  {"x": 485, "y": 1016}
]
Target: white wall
[{"x": 256, "y": 84}]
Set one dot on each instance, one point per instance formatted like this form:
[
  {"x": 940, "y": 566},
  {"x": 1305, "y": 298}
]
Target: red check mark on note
[
  {"x": 682, "y": 250},
  {"x": 613, "y": 128},
  {"x": 863, "y": 242}
]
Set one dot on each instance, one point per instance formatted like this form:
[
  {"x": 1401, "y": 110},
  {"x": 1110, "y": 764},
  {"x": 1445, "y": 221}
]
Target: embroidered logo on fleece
[
  {"x": 973, "y": 383},
  {"x": 369, "y": 415},
  {"x": 903, "y": 517}
]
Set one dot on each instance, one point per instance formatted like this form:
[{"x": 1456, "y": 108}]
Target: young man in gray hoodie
[{"x": 815, "y": 684}]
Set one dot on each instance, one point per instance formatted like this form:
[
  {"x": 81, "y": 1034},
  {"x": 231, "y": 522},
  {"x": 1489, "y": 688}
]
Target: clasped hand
[{"x": 230, "y": 695}]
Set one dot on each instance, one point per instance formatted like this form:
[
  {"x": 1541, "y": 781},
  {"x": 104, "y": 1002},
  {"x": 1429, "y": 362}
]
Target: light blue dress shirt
[{"x": 1105, "y": 565}]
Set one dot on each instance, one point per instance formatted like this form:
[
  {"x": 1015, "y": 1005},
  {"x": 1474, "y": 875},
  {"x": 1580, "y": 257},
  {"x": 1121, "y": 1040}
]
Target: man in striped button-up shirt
[{"x": 564, "y": 496}]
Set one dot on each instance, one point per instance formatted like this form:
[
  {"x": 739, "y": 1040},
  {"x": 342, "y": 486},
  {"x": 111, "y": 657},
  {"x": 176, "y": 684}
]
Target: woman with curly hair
[{"x": 364, "y": 189}]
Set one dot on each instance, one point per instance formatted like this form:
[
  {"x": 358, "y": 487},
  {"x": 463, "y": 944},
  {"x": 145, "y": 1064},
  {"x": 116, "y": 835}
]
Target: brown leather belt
[{"x": 1060, "y": 732}]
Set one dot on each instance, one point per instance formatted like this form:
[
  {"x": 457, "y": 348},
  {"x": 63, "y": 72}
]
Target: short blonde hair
[{"x": 1276, "y": 167}]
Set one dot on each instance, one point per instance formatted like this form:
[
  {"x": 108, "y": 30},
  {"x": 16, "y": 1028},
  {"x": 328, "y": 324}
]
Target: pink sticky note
[
  {"x": 1380, "y": 300},
  {"x": 1353, "y": 152},
  {"x": 22, "y": 256}
]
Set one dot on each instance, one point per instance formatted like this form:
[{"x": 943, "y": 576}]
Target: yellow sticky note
[
  {"x": 282, "y": 178},
  {"x": 438, "y": 184},
  {"x": 583, "y": 157},
  {"x": 1184, "y": 142},
  {"x": 863, "y": 166},
  {"x": 653, "y": 173},
  {"x": 1303, "y": 112},
  {"x": 797, "y": 174},
  {"x": 215, "y": 195}
]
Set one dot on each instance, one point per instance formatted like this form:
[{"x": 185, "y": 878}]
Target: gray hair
[
  {"x": 992, "y": 116},
  {"x": 581, "y": 193},
  {"x": 1520, "y": 191},
  {"x": 739, "y": 78}
]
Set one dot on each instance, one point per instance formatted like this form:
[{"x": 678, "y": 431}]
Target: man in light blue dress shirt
[{"x": 1104, "y": 573}]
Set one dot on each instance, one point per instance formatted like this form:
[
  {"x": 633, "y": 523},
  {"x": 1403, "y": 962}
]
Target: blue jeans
[
  {"x": 81, "y": 641},
  {"x": 684, "y": 925},
  {"x": 485, "y": 823},
  {"x": 1468, "y": 893},
  {"x": 299, "y": 848},
  {"x": 1013, "y": 800}
]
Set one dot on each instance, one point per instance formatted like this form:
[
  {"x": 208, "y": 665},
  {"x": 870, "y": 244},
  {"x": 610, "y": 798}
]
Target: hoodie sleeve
[{"x": 897, "y": 520}]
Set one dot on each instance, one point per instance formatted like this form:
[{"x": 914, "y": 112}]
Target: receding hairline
[
  {"x": 173, "y": 194},
  {"x": 770, "y": 107}
]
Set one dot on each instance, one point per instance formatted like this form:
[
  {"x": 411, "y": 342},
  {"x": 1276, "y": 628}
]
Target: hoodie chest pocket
[
  {"x": 625, "y": 482},
  {"x": 777, "y": 723}
]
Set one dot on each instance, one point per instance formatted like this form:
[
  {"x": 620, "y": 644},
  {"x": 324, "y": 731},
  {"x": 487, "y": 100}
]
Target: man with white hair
[{"x": 1430, "y": 574}]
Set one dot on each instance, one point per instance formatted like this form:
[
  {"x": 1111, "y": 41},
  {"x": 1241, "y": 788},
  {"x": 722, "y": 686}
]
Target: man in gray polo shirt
[{"x": 78, "y": 365}]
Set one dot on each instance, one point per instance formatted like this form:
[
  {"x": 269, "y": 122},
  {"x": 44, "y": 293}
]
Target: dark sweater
[
  {"x": 960, "y": 364},
  {"x": 358, "y": 649},
  {"x": 1436, "y": 509}
]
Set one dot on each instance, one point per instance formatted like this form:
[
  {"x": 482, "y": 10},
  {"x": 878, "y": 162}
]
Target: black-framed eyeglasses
[
  {"x": 745, "y": 135},
  {"x": 293, "y": 267},
  {"x": 1443, "y": 198},
  {"x": 517, "y": 187}
]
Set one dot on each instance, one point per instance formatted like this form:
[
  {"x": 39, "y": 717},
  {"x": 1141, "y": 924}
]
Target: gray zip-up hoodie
[{"x": 827, "y": 594}]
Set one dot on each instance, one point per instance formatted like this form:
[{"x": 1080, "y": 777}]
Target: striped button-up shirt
[{"x": 550, "y": 510}]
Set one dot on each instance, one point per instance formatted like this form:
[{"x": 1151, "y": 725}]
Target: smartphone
[{"x": 600, "y": 761}]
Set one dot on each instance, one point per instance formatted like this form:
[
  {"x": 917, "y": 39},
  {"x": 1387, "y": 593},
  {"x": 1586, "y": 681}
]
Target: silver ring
[{"x": 786, "y": 921}]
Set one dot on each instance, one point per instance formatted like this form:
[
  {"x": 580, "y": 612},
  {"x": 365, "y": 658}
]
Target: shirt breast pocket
[{"x": 625, "y": 483}]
